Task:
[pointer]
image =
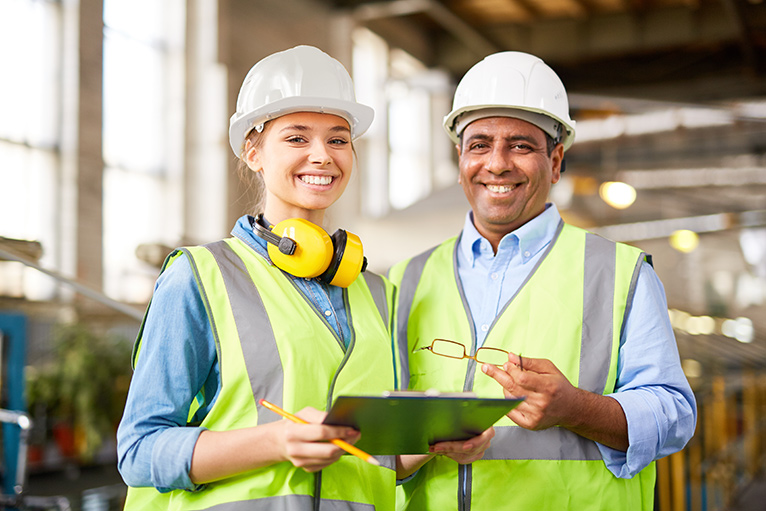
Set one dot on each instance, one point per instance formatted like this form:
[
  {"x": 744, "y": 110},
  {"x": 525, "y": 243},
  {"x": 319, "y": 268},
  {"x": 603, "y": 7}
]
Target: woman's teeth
[{"x": 316, "y": 180}]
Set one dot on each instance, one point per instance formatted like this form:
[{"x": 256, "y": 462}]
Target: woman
[{"x": 257, "y": 316}]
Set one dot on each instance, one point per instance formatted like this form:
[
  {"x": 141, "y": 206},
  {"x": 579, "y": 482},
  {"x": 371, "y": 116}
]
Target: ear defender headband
[{"x": 305, "y": 250}]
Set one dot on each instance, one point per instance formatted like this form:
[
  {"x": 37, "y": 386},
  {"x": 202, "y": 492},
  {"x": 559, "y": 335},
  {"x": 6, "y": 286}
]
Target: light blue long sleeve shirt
[
  {"x": 651, "y": 388},
  {"x": 178, "y": 358}
]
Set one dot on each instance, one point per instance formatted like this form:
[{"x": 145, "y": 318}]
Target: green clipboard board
[{"x": 407, "y": 423}]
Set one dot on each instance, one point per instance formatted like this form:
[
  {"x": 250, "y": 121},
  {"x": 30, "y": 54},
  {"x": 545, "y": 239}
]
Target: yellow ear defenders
[{"x": 305, "y": 250}]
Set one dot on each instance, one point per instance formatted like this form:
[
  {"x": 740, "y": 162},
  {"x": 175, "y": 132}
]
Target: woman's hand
[
  {"x": 307, "y": 446},
  {"x": 465, "y": 451},
  {"x": 221, "y": 454}
]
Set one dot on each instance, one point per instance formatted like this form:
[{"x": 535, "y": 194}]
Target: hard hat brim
[
  {"x": 358, "y": 116},
  {"x": 450, "y": 120}
]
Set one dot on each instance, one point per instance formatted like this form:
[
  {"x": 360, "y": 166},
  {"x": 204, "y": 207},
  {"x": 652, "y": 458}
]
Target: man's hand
[
  {"x": 549, "y": 395},
  {"x": 551, "y": 400}
]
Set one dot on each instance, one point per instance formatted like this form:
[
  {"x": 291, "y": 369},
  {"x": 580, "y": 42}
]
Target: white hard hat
[
  {"x": 512, "y": 84},
  {"x": 301, "y": 79}
]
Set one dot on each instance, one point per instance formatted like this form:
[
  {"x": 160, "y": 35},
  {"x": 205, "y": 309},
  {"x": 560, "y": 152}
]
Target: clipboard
[{"x": 408, "y": 422}]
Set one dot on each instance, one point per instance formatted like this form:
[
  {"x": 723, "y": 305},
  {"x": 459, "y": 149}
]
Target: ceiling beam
[{"x": 449, "y": 21}]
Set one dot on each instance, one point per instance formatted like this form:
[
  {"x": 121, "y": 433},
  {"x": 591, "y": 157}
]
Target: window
[
  {"x": 408, "y": 156},
  {"x": 142, "y": 137},
  {"x": 30, "y": 112}
]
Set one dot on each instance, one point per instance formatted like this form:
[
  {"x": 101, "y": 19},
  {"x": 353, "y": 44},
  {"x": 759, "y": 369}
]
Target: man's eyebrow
[
  {"x": 479, "y": 136},
  {"x": 514, "y": 138},
  {"x": 523, "y": 138}
]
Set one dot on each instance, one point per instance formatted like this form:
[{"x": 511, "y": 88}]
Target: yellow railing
[{"x": 728, "y": 449}]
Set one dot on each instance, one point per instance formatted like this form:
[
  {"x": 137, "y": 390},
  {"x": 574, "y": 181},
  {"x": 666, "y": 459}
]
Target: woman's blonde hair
[{"x": 253, "y": 181}]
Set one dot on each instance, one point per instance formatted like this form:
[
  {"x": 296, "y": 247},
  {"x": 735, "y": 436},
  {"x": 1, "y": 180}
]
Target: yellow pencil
[{"x": 337, "y": 441}]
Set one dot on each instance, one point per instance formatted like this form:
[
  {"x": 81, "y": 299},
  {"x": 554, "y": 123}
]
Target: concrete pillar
[
  {"x": 82, "y": 161},
  {"x": 205, "y": 170}
]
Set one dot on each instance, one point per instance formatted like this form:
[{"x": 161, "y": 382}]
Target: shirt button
[
  {"x": 328, "y": 313},
  {"x": 494, "y": 276},
  {"x": 526, "y": 254},
  {"x": 484, "y": 328}
]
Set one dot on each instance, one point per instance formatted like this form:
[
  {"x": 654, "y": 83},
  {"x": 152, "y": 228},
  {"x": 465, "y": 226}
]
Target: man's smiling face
[{"x": 506, "y": 173}]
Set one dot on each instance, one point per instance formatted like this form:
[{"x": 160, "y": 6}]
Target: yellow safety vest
[
  {"x": 571, "y": 311},
  {"x": 273, "y": 344}
]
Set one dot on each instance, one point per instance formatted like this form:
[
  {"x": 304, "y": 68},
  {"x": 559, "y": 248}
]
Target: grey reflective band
[
  {"x": 470, "y": 372},
  {"x": 598, "y": 310},
  {"x": 264, "y": 367},
  {"x": 378, "y": 292},
  {"x": 407, "y": 289},
  {"x": 388, "y": 461},
  {"x": 464, "y": 487},
  {"x": 632, "y": 290},
  {"x": 290, "y": 503},
  {"x": 517, "y": 443}
]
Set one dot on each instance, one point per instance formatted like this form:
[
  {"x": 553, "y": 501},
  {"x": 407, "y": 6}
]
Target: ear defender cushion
[
  {"x": 348, "y": 260},
  {"x": 313, "y": 251}
]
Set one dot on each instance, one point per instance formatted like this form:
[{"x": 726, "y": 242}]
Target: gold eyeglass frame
[{"x": 465, "y": 355}]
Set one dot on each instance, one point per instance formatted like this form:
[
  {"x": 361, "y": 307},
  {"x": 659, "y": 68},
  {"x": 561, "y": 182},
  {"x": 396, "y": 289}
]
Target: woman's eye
[
  {"x": 339, "y": 141},
  {"x": 296, "y": 139}
]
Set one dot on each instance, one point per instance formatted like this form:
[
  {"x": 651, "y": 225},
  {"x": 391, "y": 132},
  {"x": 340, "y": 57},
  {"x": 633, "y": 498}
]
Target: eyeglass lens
[
  {"x": 453, "y": 349},
  {"x": 448, "y": 348}
]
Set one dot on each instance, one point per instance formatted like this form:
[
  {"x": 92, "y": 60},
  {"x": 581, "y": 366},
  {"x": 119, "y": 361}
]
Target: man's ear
[
  {"x": 459, "y": 175},
  {"x": 557, "y": 158}
]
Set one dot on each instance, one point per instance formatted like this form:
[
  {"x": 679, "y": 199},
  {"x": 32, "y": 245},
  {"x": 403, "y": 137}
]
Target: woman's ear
[{"x": 252, "y": 157}]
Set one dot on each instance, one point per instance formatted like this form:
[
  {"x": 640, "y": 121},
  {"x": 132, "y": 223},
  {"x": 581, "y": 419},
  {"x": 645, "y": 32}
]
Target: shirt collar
[
  {"x": 533, "y": 236},
  {"x": 243, "y": 230}
]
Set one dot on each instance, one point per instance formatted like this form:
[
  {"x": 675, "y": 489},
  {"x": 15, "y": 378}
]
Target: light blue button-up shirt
[
  {"x": 178, "y": 358},
  {"x": 651, "y": 388}
]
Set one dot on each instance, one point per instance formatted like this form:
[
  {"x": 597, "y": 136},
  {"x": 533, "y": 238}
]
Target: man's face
[{"x": 506, "y": 173}]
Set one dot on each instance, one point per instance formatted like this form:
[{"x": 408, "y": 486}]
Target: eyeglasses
[{"x": 452, "y": 349}]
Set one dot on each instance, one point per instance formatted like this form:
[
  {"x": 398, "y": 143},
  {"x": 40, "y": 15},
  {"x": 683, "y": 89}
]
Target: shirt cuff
[
  {"x": 643, "y": 437},
  {"x": 171, "y": 459}
]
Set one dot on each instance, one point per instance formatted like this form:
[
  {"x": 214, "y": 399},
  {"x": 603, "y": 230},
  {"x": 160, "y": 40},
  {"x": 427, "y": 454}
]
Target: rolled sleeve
[
  {"x": 171, "y": 459},
  {"x": 658, "y": 403},
  {"x": 177, "y": 362}
]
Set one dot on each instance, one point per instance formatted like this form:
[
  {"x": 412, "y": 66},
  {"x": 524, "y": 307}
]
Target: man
[{"x": 584, "y": 320}]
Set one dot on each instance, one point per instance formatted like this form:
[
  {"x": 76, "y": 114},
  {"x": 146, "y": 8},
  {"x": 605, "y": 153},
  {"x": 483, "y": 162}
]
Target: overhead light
[
  {"x": 617, "y": 194},
  {"x": 692, "y": 368},
  {"x": 740, "y": 329},
  {"x": 684, "y": 240},
  {"x": 700, "y": 325}
]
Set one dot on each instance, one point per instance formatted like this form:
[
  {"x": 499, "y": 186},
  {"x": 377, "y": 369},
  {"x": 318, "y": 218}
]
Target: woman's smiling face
[{"x": 307, "y": 160}]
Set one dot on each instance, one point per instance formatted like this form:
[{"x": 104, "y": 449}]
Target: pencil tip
[{"x": 374, "y": 461}]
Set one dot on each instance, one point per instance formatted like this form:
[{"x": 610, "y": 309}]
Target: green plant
[{"x": 83, "y": 386}]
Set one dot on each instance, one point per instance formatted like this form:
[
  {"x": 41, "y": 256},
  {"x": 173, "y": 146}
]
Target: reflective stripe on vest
[
  {"x": 290, "y": 503},
  {"x": 515, "y": 443},
  {"x": 253, "y": 348},
  {"x": 250, "y": 315}
]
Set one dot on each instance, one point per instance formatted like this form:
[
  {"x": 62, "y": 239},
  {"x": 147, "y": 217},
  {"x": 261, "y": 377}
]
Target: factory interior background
[{"x": 114, "y": 150}]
